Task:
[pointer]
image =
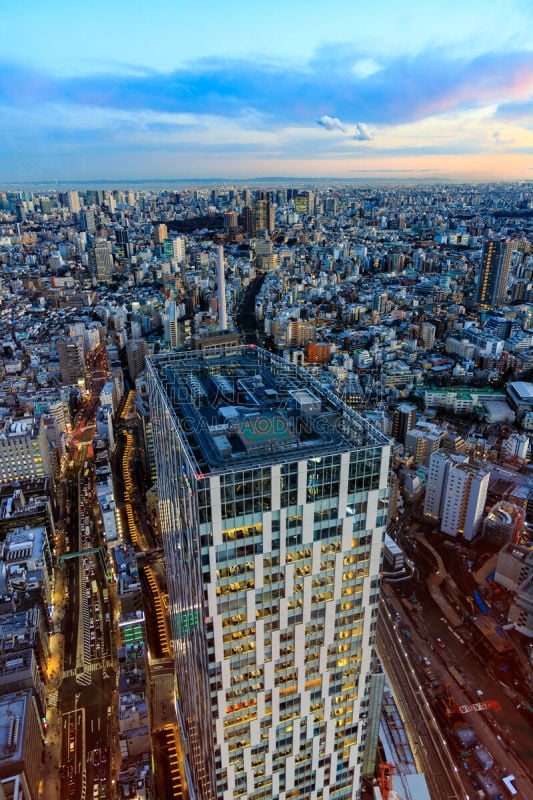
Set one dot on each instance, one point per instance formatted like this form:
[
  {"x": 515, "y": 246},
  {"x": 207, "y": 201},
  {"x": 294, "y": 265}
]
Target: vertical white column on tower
[{"x": 221, "y": 278}]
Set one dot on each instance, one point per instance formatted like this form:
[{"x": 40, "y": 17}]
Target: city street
[{"x": 505, "y": 733}]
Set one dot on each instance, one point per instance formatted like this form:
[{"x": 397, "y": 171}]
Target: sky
[{"x": 124, "y": 90}]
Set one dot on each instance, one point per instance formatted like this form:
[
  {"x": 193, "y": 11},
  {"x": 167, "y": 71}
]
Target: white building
[
  {"x": 273, "y": 522},
  {"x": 516, "y": 446},
  {"x": 464, "y": 501},
  {"x": 427, "y": 335},
  {"x": 514, "y": 571},
  {"x": 108, "y": 510},
  {"x": 92, "y": 339},
  {"x": 175, "y": 249},
  {"x": 423, "y": 440},
  {"x": 440, "y": 465},
  {"x": 108, "y": 395},
  {"x": 24, "y": 450}
]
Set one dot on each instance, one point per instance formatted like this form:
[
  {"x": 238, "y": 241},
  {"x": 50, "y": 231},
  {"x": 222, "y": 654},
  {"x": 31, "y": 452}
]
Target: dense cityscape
[{"x": 266, "y": 491}]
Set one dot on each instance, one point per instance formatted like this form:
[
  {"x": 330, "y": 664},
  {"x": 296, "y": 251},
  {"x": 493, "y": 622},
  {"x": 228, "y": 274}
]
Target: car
[
  {"x": 440, "y": 643},
  {"x": 426, "y": 661}
]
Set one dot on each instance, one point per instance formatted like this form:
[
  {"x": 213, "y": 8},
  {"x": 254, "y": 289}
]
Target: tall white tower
[
  {"x": 273, "y": 534},
  {"x": 221, "y": 279}
]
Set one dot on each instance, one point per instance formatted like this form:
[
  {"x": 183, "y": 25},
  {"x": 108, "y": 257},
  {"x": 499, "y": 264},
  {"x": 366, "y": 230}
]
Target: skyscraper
[
  {"x": 160, "y": 233},
  {"x": 24, "y": 449},
  {"x": 263, "y": 213},
  {"x": 73, "y": 201},
  {"x": 122, "y": 238},
  {"x": 175, "y": 248},
  {"x": 248, "y": 219},
  {"x": 273, "y": 501},
  {"x": 101, "y": 261},
  {"x": 71, "y": 359},
  {"x": 466, "y": 492},
  {"x": 221, "y": 290},
  {"x": 87, "y": 221},
  {"x": 403, "y": 419},
  {"x": 456, "y": 493},
  {"x": 494, "y": 273}
]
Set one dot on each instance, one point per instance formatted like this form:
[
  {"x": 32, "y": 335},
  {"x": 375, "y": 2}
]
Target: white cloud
[
  {"x": 331, "y": 123},
  {"x": 362, "y": 134},
  {"x": 365, "y": 67}
]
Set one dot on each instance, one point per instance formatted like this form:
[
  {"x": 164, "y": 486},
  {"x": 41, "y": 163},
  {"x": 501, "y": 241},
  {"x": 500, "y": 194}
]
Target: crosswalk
[
  {"x": 86, "y": 627},
  {"x": 92, "y": 666},
  {"x": 53, "y": 698}
]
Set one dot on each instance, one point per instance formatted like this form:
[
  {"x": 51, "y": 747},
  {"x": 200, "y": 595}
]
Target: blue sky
[{"x": 131, "y": 90}]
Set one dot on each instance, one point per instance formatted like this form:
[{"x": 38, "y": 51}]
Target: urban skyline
[
  {"x": 384, "y": 92},
  {"x": 201, "y": 388}
]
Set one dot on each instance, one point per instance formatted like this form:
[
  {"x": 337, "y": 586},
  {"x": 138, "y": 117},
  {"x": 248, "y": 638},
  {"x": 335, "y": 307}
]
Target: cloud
[
  {"x": 497, "y": 136},
  {"x": 385, "y": 169},
  {"x": 516, "y": 111},
  {"x": 429, "y": 104},
  {"x": 362, "y": 134},
  {"x": 331, "y": 123},
  {"x": 404, "y": 89}
]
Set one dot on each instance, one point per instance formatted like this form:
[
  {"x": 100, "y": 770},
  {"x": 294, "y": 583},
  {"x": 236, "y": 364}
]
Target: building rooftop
[
  {"x": 243, "y": 405},
  {"x": 13, "y": 710},
  {"x": 522, "y": 390}
]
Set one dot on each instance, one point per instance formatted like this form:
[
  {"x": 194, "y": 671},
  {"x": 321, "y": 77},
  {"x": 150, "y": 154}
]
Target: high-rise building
[
  {"x": 73, "y": 201},
  {"x": 439, "y": 469},
  {"x": 379, "y": 301},
  {"x": 101, "y": 261},
  {"x": 273, "y": 502},
  {"x": 136, "y": 352},
  {"x": 456, "y": 493},
  {"x": 422, "y": 441},
  {"x": 71, "y": 359},
  {"x": 263, "y": 212},
  {"x": 427, "y": 335},
  {"x": 494, "y": 273},
  {"x": 24, "y": 449},
  {"x": 464, "y": 502},
  {"x": 109, "y": 201},
  {"x": 403, "y": 420},
  {"x": 175, "y": 248},
  {"x": 174, "y": 333},
  {"x": 221, "y": 290},
  {"x": 21, "y": 745},
  {"x": 87, "y": 220},
  {"x": 160, "y": 233},
  {"x": 231, "y": 221},
  {"x": 248, "y": 219},
  {"x": 122, "y": 238}
]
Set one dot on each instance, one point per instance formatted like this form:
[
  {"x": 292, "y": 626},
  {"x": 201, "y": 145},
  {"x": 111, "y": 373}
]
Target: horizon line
[{"x": 386, "y": 176}]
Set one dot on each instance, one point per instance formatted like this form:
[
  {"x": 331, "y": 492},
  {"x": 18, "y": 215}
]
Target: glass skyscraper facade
[
  {"x": 494, "y": 271},
  {"x": 273, "y": 502}
]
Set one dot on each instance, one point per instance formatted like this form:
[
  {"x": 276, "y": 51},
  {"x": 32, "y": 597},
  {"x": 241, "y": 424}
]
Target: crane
[
  {"x": 386, "y": 771},
  {"x": 485, "y": 705},
  {"x": 452, "y": 707}
]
